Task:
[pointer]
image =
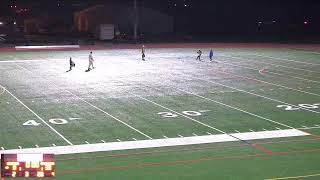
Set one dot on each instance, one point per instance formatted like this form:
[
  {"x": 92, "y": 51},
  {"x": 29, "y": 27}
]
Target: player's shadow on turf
[
  {"x": 88, "y": 70},
  {"x": 69, "y": 70}
]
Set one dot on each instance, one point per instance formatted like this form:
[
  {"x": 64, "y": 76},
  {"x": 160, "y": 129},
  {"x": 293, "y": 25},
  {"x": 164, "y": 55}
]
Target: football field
[{"x": 252, "y": 113}]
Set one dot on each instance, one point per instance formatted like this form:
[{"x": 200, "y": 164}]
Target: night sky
[{"x": 203, "y": 16}]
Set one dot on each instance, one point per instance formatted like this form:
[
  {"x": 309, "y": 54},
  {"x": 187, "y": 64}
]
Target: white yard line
[
  {"x": 97, "y": 108},
  {"x": 164, "y": 107},
  {"x": 126, "y": 145},
  {"x": 272, "y": 64},
  {"x": 273, "y": 84},
  {"x": 254, "y": 94},
  {"x": 226, "y": 105},
  {"x": 129, "y": 126},
  {"x": 295, "y": 77},
  {"x": 3, "y": 91},
  {"x": 41, "y": 119},
  {"x": 283, "y": 59}
]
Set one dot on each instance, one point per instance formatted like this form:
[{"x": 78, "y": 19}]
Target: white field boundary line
[
  {"x": 95, "y": 107},
  {"x": 273, "y": 84},
  {"x": 166, "y": 142},
  {"x": 54, "y": 130},
  {"x": 47, "y": 47},
  {"x": 277, "y": 65},
  {"x": 252, "y": 68},
  {"x": 254, "y": 94},
  {"x": 284, "y": 59},
  {"x": 235, "y": 108}
]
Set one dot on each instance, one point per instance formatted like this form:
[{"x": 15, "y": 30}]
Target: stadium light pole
[{"x": 135, "y": 23}]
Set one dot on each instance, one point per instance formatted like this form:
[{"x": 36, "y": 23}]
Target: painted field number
[
  {"x": 299, "y": 106},
  {"x": 56, "y": 121},
  {"x": 187, "y": 113},
  {"x": 31, "y": 123}
]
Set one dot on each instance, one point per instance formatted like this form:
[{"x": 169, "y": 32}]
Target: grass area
[{"x": 171, "y": 95}]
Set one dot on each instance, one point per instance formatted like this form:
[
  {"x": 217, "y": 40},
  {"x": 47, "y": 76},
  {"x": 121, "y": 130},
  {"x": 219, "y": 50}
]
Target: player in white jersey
[{"x": 90, "y": 61}]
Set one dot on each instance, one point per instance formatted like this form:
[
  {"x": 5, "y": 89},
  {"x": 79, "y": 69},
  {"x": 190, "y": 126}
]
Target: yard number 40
[{"x": 57, "y": 121}]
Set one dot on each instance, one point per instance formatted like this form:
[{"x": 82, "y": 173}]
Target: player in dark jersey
[
  {"x": 72, "y": 64},
  {"x": 199, "y": 55}
]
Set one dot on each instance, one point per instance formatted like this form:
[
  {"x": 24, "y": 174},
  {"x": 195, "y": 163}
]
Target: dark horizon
[{"x": 203, "y": 17}]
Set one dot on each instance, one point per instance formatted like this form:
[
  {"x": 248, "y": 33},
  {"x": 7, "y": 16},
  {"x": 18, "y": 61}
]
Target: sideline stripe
[
  {"x": 126, "y": 145},
  {"x": 273, "y": 84},
  {"x": 38, "y": 117},
  {"x": 271, "y": 99},
  {"x": 295, "y": 177}
]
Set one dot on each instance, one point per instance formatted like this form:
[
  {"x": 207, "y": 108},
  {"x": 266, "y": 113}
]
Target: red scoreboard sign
[{"x": 27, "y": 165}]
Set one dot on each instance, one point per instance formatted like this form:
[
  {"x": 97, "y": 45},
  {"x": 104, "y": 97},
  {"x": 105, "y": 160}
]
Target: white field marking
[
  {"x": 180, "y": 135},
  {"x": 2, "y": 148},
  {"x": 38, "y": 117},
  {"x": 103, "y": 141},
  {"x": 264, "y": 129},
  {"x": 37, "y": 145},
  {"x": 119, "y": 140},
  {"x": 277, "y": 65},
  {"x": 278, "y": 128},
  {"x": 19, "y": 147},
  {"x": 15, "y": 61},
  {"x": 252, "y": 114},
  {"x": 251, "y": 130},
  {"x": 108, "y": 114},
  {"x": 181, "y": 114},
  {"x": 154, "y": 143},
  {"x": 285, "y": 59},
  {"x": 316, "y": 125},
  {"x": 71, "y": 119},
  {"x": 54, "y": 145},
  {"x": 194, "y": 134},
  {"x": 165, "y": 137},
  {"x": 3, "y": 91},
  {"x": 237, "y": 131},
  {"x": 87, "y": 142},
  {"x": 305, "y": 128},
  {"x": 252, "y": 68},
  {"x": 209, "y": 133},
  {"x": 178, "y": 113},
  {"x": 278, "y": 85},
  {"x": 254, "y": 94},
  {"x": 134, "y": 139},
  {"x": 203, "y": 111},
  {"x": 97, "y": 108},
  {"x": 47, "y": 47}
]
